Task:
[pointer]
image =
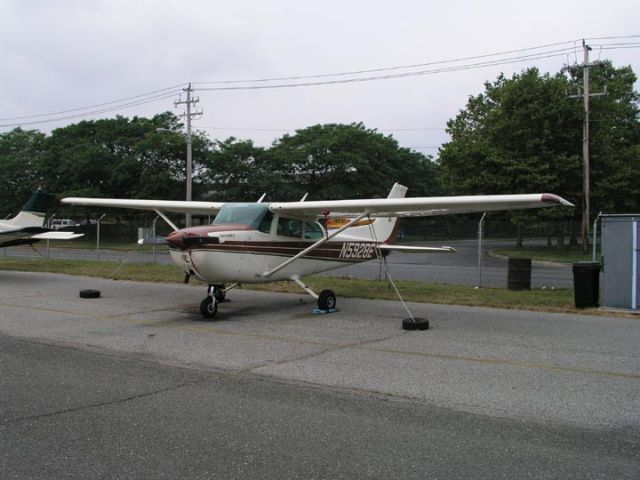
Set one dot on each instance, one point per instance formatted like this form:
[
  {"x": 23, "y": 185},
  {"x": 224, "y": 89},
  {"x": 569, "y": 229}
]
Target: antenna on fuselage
[
  {"x": 304, "y": 197},
  {"x": 262, "y": 197}
]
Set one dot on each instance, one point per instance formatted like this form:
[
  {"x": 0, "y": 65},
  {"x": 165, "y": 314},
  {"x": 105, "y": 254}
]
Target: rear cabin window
[
  {"x": 289, "y": 227},
  {"x": 313, "y": 231}
]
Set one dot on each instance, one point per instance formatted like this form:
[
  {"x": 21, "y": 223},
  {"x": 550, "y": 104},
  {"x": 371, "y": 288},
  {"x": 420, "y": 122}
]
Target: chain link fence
[{"x": 478, "y": 242}]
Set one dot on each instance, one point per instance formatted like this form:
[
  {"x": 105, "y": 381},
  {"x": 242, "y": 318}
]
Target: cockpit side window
[{"x": 250, "y": 214}]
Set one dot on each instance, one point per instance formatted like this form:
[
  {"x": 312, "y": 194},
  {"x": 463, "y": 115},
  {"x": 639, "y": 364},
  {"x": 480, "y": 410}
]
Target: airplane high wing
[
  {"x": 376, "y": 207},
  {"x": 199, "y": 208},
  {"x": 265, "y": 242},
  {"x": 159, "y": 206},
  {"x": 419, "y": 206}
]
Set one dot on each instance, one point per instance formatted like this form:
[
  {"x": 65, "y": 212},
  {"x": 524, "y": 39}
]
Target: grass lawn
[
  {"x": 558, "y": 300},
  {"x": 106, "y": 244},
  {"x": 569, "y": 256}
]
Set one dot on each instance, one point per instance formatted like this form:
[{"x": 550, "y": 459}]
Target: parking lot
[{"x": 481, "y": 384}]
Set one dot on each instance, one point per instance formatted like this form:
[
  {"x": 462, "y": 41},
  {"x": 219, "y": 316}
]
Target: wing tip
[{"x": 552, "y": 198}]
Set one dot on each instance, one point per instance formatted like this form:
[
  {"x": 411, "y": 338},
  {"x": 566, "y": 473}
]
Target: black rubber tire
[
  {"x": 415, "y": 324},
  {"x": 327, "y": 300},
  {"x": 208, "y": 308},
  {"x": 89, "y": 293}
]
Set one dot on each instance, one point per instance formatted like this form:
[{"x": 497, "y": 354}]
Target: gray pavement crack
[
  {"x": 98, "y": 405},
  {"x": 330, "y": 348}
]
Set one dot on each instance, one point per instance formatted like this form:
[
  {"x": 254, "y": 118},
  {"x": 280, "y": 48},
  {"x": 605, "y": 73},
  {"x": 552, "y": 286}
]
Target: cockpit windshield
[{"x": 241, "y": 214}]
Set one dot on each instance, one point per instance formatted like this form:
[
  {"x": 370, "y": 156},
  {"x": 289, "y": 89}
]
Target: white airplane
[
  {"x": 28, "y": 226},
  {"x": 269, "y": 242}
]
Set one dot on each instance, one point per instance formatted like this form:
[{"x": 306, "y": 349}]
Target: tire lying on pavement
[
  {"x": 89, "y": 293},
  {"x": 415, "y": 324}
]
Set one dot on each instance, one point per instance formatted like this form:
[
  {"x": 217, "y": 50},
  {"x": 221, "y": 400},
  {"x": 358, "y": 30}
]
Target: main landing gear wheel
[
  {"x": 208, "y": 307},
  {"x": 327, "y": 300}
]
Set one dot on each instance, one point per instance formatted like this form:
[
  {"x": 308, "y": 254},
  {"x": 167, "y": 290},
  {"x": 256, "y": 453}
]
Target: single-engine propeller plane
[
  {"x": 268, "y": 242},
  {"x": 27, "y": 227}
]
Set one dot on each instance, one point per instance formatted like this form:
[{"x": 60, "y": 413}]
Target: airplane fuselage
[
  {"x": 247, "y": 243},
  {"x": 240, "y": 254},
  {"x": 11, "y": 235}
]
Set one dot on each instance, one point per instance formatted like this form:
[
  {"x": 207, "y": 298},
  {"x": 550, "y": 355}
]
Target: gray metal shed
[{"x": 621, "y": 265}]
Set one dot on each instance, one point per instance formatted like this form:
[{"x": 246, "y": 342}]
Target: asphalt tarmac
[{"x": 135, "y": 385}]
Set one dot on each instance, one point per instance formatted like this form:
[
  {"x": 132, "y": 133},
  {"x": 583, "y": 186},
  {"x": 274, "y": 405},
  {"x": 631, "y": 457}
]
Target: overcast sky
[{"x": 62, "y": 55}]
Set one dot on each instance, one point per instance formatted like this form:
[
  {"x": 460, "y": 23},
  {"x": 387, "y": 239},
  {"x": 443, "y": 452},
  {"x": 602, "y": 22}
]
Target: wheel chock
[{"x": 321, "y": 311}]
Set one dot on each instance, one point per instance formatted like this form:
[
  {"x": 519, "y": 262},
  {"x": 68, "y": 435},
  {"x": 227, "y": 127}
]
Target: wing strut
[
  {"x": 315, "y": 245},
  {"x": 166, "y": 219}
]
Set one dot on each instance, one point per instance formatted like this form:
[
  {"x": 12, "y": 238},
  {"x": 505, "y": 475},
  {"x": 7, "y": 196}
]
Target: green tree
[
  {"x": 521, "y": 135},
  {"x": 121, "y": 157},
  {"x": 614, "y": 139},
  {"x": 234, "y": 171},
  {"x": 348, "y": 161},
  {"x": 21, "y": 154},
  {"x": 524, "y": 134}
]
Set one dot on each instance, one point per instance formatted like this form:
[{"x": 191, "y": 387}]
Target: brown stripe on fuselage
[
  {"x": 339, "y": 251},
  {"x": 186, "y": 240}
]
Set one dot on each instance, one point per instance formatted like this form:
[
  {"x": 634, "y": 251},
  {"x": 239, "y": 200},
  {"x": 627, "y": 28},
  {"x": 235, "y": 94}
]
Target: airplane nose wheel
[
  {"x": 208, "y": 307},
  {"x": 327, "y": 300}
]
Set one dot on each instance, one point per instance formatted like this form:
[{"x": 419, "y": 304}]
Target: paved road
[
  {"x": 460, "y": 268},
  {"x": 135, "y": 385}
]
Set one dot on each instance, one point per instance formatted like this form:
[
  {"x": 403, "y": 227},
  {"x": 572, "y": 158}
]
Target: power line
[
  {"x": 94, "y": 112},
  {"x": 162, "y": 94},
  {"x": 497, "y": 62},
  {"x": 570, "y": 46},
  {"x": 382, "y": 69},
  {"x": 251, "y": 129},
  {"x": 613, "y": 38},
  {"x": 620, "y": 48},
  {"x": 173, "y": 89}
]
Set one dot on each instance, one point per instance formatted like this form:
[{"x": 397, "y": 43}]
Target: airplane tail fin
[
  {"x": 382, "y": 229},
  {"x": 34, "y": 211}
]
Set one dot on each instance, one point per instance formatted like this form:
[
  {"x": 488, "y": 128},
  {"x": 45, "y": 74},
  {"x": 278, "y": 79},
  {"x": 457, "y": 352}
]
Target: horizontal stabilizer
[
  {"x": 57, "y": 236},
  {"x": 413, "y": 249}
]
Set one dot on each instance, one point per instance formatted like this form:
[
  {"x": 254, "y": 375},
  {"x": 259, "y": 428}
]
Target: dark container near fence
[
  {"x": 586, "y": 284},
  {"x": 519, "y": 274}
]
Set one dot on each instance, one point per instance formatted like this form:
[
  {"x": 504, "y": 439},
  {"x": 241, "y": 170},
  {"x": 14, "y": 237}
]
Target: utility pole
[
  {"x": 585, "y": 94},
  {"x": 189, "y": 115}
]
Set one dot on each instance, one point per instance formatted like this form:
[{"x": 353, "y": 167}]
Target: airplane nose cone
[{"x": 176, "y": 239}]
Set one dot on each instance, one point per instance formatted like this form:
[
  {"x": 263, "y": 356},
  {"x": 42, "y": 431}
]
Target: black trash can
[
  {"x": 519, "y": 274},
  {"x": 586, "y": 284}
]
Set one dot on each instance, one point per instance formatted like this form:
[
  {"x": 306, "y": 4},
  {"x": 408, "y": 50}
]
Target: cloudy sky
[{"x": 65, "y": 60}]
